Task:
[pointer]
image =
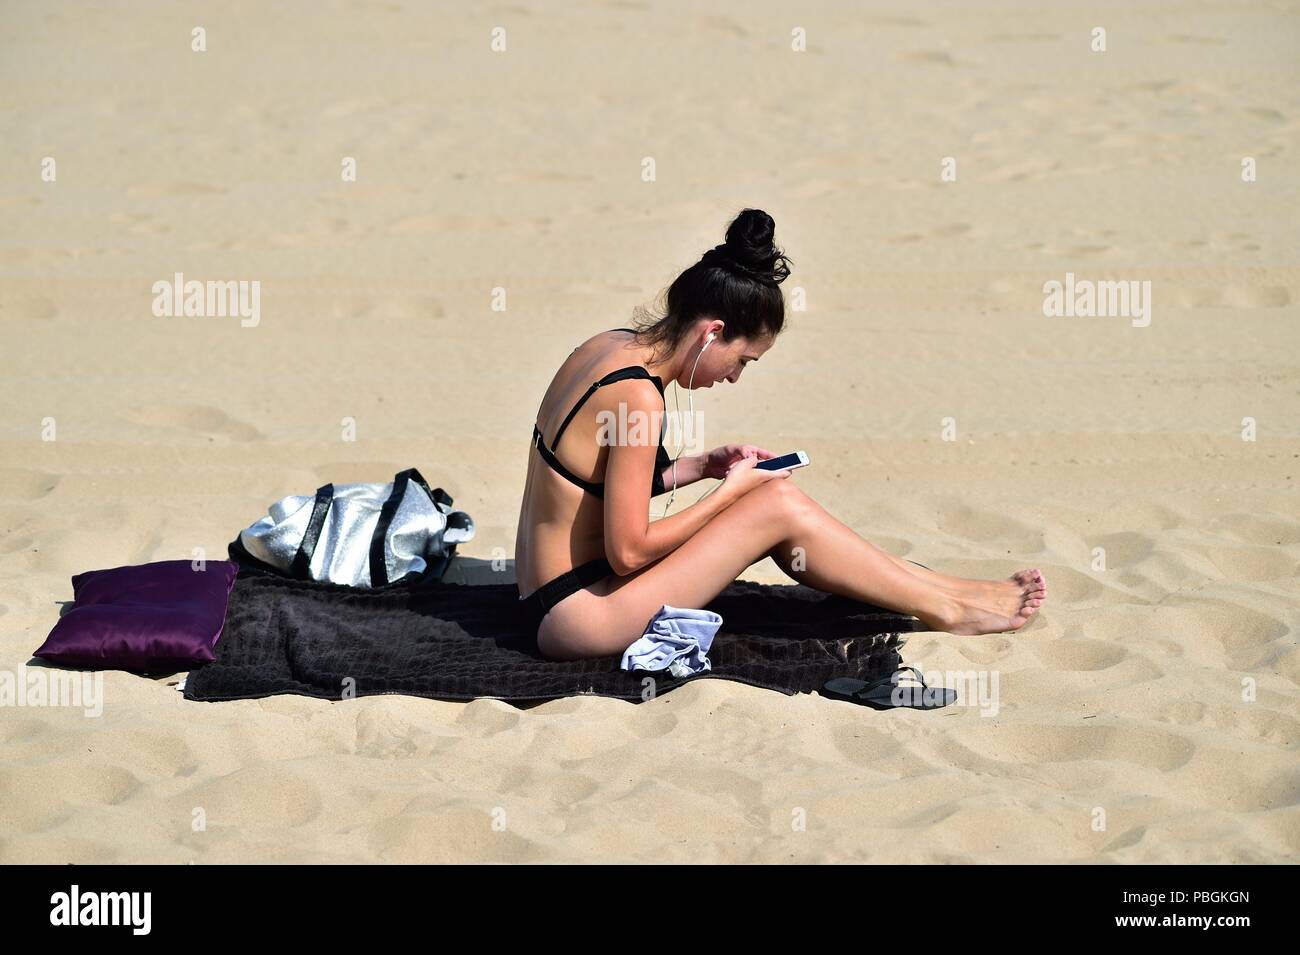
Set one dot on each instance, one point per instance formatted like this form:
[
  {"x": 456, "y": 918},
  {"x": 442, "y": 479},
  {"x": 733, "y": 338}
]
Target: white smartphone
[{"x": 795, "y": 459}]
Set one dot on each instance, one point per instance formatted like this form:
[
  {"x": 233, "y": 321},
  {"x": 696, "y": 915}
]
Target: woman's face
[{"x": 726, "y": 360}]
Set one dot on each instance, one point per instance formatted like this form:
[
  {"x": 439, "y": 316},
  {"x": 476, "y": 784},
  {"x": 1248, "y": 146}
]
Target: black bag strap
[
  {"x": 301, "y": 566},
  {"x": 401, "y": 481},
  {"x": 437, "y": 495}
]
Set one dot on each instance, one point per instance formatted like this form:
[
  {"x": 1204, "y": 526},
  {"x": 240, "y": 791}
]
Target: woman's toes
[{"x": 1027, "y": 578}]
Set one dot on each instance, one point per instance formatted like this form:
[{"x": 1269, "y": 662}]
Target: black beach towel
[{"x": 457, "y": 641}]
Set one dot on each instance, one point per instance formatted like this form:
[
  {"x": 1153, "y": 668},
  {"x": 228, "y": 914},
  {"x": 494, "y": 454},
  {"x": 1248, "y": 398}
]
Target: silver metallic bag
[{"x": 361, "y": 535}]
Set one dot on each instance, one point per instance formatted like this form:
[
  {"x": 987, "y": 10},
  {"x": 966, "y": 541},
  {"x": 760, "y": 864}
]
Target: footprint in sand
[
  {"x": 941, "y": 57},
  {"x": 1269, "y": 115},
  {"x": 28, "y": 309},
  {"x": 1256, "y": 529},
  {"x": 987, "y": 527},
  {"x": 1252, "y": 722},
  {"x": 1190, "y": 38},
  {"x": 654, "y": 725},
  {"x": 1248, "y": 564},
  {"x": 897, "y": 22},
  {"x": 1147, "y": 747},
  {"x": 381, "y": 734},
  {"x": 1244, "y": 638},
  {"x": 149, "y": 228},
  {"x": 1234, "y": 780},
  {"x": 952, "y": 230},
  {"x": 1271, "y": 296},
  {"x": 14, "y": 544},
  {"x": 1181, "y": 712},
  {"x": 566, "y": 789},
  {"x": 350, "y": 107},
  {"x": 1126, "y": 839},
  {"x": 195, "y": 419},
  {"x": 154, "y": 190},
  {"x": 860, "y": 745},
  {"x": 820, "y": 187},
  {"x": 27, "y": 485},
  {"x": 483, "y": 718},
  {"x": 160, "y": 753},
  {"x": 1123, "y": 549},
  {"x": 284, "y": 800},
  {"x": 406, "y": 307},
  {"x": 69, "y": 783},
  {"x": 1065, "y": 585},
  {"x": 1233, "y": 296},
  {"x": 1151, "y": 86},
  {"x": 1081, "y": 655},
  {"x": 139, "y": 223},
  {"x": 419, "y": 225},
  {"x": 1022, "y": 37},
  {"x": 726, "y": 25},
  {"x": 1031, "y": 169}
]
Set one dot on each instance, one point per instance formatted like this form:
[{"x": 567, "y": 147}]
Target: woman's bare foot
[
  {"x": 998, "y": 611},
  {"x": 976, "y": 607},
  {"x": 1027, "y": 582}
]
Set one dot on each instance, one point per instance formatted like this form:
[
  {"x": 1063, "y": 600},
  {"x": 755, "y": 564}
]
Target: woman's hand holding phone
[
  {"x": 743, "y": 476},
  {"x": 719, "y": 461}
]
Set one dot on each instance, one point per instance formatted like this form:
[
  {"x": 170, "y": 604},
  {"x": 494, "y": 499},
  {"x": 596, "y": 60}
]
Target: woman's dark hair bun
[
  {"x": 750, "y": 245},
  {"x": 749, "y": 251},
  {"x": 738, "y": 281}
]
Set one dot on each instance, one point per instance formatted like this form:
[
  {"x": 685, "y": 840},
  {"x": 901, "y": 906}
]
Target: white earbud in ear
[{"x": 710, "y": 337}]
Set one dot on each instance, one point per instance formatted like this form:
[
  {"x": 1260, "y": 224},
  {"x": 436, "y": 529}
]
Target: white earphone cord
[{"x": 678, "y": 406}]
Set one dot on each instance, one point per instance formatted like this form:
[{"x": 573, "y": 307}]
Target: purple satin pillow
[{"x": 164, "y": 616}]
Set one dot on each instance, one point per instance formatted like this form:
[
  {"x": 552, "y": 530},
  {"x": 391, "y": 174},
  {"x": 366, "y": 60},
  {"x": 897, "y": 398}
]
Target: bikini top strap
[{"x": 622, "y": 374}]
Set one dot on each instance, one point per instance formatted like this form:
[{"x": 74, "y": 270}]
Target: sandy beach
[{"x": 930, "y": 169}]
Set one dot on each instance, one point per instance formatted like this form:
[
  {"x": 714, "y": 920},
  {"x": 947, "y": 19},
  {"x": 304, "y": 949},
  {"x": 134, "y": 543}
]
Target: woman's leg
[
  {"x": 791, "y": 561},
  {"x": 1032, "y": 577},
  {"x": 776, "y": 516}
]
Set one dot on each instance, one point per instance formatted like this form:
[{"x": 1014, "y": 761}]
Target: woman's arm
[
  {"x": 634, "y": 550},
  {"x": 631, "y": 541},
  {"x": 712, "y": 464},
  {"x": 690, "y": 468}
]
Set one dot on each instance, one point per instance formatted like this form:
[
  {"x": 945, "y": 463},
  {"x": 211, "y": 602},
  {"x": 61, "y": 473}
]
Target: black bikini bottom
[{"x": 541, "y": 600}]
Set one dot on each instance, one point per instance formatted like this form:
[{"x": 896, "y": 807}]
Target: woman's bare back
[{"x": 560, "y": 525}]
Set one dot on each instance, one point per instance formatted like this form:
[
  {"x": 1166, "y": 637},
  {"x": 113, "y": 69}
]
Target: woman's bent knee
[{"x": 783, "y": 500}]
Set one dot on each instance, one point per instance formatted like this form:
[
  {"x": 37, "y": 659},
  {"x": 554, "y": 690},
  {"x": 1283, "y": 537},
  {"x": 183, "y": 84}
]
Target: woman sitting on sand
[{"x": 594, "y": 569}]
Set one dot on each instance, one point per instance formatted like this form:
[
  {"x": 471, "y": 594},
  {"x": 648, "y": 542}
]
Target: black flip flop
[{"x": 886, "y": 694}]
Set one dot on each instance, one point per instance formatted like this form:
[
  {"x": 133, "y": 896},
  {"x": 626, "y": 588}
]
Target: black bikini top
[{"x": 662, "y": 460}]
